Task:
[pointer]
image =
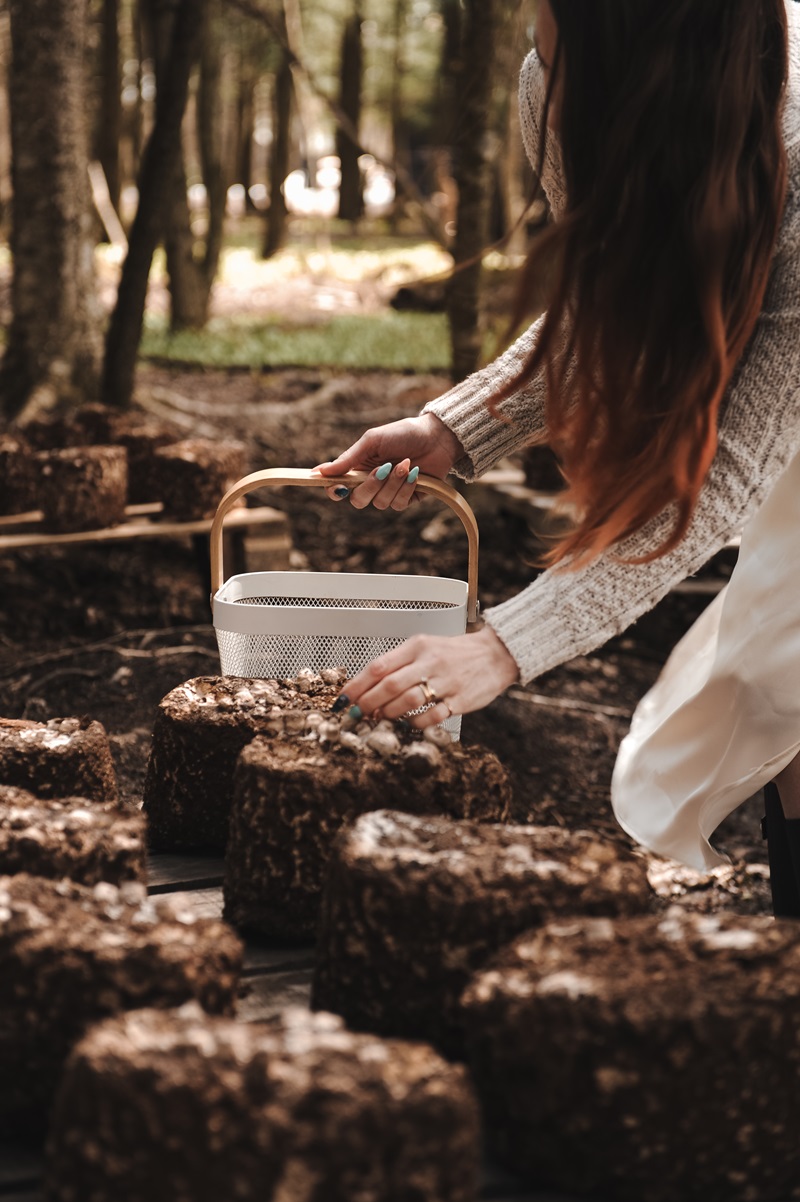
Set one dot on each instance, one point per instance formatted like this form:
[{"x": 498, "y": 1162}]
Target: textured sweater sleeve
[
  {"x": 568, "y": 613},
  {"x": 463, "y": 409}
]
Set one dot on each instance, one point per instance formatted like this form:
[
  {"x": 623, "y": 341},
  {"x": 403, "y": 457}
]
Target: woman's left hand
[{"x": 462, "y": 673}]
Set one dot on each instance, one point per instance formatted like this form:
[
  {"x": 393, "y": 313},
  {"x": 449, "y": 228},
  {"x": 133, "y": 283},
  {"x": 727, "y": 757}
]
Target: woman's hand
[
  {"x": 462, "y": 673},
  {"x": 394, "y": 455}
]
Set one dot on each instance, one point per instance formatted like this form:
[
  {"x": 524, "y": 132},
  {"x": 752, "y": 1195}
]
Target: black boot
[{"x": 783, "y": 845}]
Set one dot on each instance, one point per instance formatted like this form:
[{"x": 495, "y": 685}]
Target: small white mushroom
[
  {"x": 335, "y": 676},
  {"x": 384, "y": 743},
  {"x": 329, "y": 732},
  {"x": 438, "y": 736},
  {"x": 314, "y": 720},
  {"x": 422, "y": 759},
  {"x": 294, "y": 722},
  {"x": 351, "y": 741}
]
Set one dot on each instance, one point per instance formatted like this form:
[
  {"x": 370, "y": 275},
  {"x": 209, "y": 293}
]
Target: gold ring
[
  {"x": 427, "y": 692},
  {"x": 447, "y": 707}
]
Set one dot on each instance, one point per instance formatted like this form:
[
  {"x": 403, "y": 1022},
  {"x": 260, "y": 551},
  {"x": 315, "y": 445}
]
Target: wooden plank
[
  {"x": 238, "y": 519},
  {"x": 168, "y": 872},
  {"x": 260, "y": 959},
  {"x": 261, "y": 998},
  {"x": 206, "y": 903}
]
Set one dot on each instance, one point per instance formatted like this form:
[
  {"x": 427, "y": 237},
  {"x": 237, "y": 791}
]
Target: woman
[{"x": 666, "y": 373}]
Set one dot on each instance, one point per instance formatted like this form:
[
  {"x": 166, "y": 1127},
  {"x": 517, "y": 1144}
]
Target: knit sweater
[{"x": 567, "y": 613}]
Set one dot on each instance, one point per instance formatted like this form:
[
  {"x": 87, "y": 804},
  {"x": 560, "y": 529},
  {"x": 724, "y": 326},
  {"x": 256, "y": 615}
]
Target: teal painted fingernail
[
  {"x": 412, "y": 476},
  {"x": 341, "y": 491},
  {"x": 383, "y": 472},
  {"x": 355, "y": 712}
]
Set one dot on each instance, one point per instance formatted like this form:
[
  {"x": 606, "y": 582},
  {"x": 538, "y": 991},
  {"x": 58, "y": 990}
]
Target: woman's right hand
[{"x": 394, "y": 455}]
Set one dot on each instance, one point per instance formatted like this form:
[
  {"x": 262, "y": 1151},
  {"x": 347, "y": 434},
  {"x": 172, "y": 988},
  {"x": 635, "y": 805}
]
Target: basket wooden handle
[{"x": 280, "y": 477}]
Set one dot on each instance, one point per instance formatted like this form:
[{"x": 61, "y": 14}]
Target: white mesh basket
[{"x": 272, "y": 624}]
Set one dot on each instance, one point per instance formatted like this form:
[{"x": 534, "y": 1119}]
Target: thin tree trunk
[
  {"x": 351, "y": 199},
  {"x": 53, "y": 343},
  {"x": 109, "y": 126},
  {"x": 399, "y": 131},
  {"x": 160, "y": 155},
  {"x": 474, "y": 178},
  {"x": 210, "y": 145},
  {"x": 275, "y": 231}
]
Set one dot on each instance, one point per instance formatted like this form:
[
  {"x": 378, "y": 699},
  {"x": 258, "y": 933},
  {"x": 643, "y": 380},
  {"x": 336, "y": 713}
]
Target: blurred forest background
[{"x": 296, "y": 179}]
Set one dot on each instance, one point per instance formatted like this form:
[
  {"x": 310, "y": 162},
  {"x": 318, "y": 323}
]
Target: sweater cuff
[
  {"x": 535, "y": 628},
  {"x": 485, "y": 438}
]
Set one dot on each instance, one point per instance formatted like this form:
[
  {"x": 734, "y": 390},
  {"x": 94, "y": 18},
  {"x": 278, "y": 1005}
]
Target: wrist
[
  {"x": 444, "y": 436},
  {"x": 503, "y": 663}
]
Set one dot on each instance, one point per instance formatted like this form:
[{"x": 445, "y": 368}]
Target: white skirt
[{"x": 724, "y": 716}]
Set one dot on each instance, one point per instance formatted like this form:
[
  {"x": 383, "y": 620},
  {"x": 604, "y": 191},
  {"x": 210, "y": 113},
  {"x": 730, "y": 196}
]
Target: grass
[{"x": 387, "y": 341}]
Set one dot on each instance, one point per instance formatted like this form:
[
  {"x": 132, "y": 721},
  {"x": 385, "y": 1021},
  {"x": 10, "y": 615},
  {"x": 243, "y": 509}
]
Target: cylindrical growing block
[
  {"x": 192, "y": 476},
  {"x": 70, "y": 956},
  {"x": 413, "y": 906},
  {"x": 200, "y": 729},
  {"x": 182, "y": 1108},
  {"x": 65, "y": 757},
  {"x": 83, "y": 488},
  {"x": 650, "y": 1058},
  {"x": 290, "y": 801},
  {"x": 17, "y": 475},
  {"x": 84, "y": 841}
]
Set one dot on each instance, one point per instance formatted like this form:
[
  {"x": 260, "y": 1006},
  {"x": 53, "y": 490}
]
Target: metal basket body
[{"x": 272, "y": 624}]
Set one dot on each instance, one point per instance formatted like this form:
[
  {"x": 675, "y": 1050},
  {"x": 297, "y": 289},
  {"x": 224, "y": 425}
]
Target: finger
[
  {"x": 407, "y": 703},
  {"x": 387, "y": 691},
  {"x": 365, "y": 493},
  {"x": 405, "y": 495},
  {"x": 383, "y": 666},
  {"x": 354, "y": 457},
  {"x": 434, "y": 716},
  {"x": 339, "y": 493},
  {"x": 386, "y": 497}
]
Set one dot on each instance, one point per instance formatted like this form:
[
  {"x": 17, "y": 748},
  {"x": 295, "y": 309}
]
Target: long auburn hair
[{"x": 675, "y": 169}]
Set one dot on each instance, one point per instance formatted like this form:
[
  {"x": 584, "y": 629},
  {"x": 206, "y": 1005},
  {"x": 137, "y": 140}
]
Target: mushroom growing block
[
  {"x": 650, "y": 1058},
  {"x": 192, "y": 476},
  {"x": 291, "y": 799},
  {"x": 200, "y": 729},
  {"x": 82, "y": 488},
  {"x": 65, "y": 757},
  {"x": 178, "y": 1106},
  {"x": 84, "y": 841},
  {"x": 71, "y": 955},
  {"x": 414, "y": 906}
]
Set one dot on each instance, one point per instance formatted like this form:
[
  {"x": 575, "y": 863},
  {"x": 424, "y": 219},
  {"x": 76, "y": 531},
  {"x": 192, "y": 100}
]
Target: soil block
[
  {"x": 84, "y": 841},
  {"x": 71, "y": 955},
  {"x": 200, "y": 729},
  {"x": 17, "y": 475},
  {"x": 141, "y": 437},
  {"x": 291, "y": 799},
  {"x": 651, "y": 1058},
  {"x": 82, "y": 488},
  {"x": 179, "y": 1107},
  {"x": 192, "y": 476},
  {"x": 414, "y": 906},
  {"x": 65, "y": 757}
]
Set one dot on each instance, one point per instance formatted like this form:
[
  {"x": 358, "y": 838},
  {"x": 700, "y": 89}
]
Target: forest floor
[{"x": 108, "y": 631}]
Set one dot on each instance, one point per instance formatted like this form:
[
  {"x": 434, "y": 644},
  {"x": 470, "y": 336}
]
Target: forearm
[{"x": 464, "y": 410}]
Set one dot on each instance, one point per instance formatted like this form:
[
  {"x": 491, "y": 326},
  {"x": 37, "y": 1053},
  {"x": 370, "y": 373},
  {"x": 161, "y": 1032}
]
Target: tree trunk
[
  {"x": 191, "y": 265},
  {"x": 109, "y": 125},
  {"x": 351, "y": 199},
  {"x": 158, "y": 163},
  {"x": 53, "y": 343},
  {"x": 474, "y": 178},
  {"x": 399, "y": 130},
  {"x": 275, "y": 231}
]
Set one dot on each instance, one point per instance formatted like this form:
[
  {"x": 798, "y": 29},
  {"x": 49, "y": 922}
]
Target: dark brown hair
[{"x": 675, "y": 168}]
